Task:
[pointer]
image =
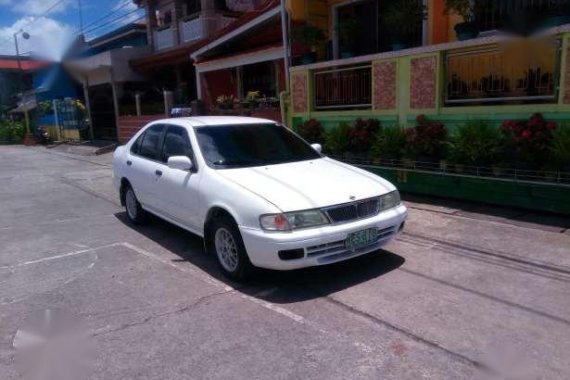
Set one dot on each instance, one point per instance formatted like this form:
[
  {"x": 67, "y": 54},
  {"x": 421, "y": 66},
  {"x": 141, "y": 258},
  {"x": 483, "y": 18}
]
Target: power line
[
  {"x": 113, "y": 21},
  {"x": 108, "y": 14}
]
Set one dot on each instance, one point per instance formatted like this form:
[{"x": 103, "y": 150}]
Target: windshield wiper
[{"x": 230, "y": 163}]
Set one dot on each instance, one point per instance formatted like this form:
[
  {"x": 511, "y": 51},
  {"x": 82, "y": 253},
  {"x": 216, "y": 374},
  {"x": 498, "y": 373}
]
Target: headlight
[
  {"x": 293, "y": 220},
  {"x": 390, "y": 200}
]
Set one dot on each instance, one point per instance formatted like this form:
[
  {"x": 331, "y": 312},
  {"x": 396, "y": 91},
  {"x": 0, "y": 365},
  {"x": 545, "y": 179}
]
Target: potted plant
[
  {"x": 251, "y": 99},
  {"x": 558, "y": 15},
  {"x": 309, "y": 36},
  {"x": 528, "y": 141},
  {"x": 348, "y": 32},
  {"x": 225, "y": 102},
  {"x": 389, "y": 144},
  {"x": 337, "y": 140},
  {"x": 560, "y": 148},
  {"x": 467, "y": 29},
  {"x": 402, "y": 18},
  {"x": 476, "y": 143},
  {"x": 312, "y": 131}
]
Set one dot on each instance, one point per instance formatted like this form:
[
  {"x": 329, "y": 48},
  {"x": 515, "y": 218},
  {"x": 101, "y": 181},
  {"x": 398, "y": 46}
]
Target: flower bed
[
  {"x": 535, "y": 145},
  {"x": 521, "y": 164}
]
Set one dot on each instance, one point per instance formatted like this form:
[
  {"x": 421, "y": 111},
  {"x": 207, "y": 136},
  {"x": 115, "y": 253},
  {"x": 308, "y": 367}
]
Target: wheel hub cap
[{"x": 226, "y": 249}]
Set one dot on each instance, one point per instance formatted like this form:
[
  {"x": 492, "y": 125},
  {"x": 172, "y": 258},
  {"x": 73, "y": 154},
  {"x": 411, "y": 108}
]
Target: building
[
  {"x": 244, "y": 62},
  {"x": 109, "y": 84},
  {"x": 367, "y": 66},
  {"x": 16, "y": 76},
  {"x": 175, "y": 29}
]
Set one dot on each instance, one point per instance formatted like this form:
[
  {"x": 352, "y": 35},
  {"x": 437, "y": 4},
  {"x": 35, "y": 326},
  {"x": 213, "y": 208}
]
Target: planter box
[{"x": 504, "y": 192}]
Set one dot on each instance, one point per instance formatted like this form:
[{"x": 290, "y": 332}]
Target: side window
[
  {"x": 150, "y": 144},
  {"x": 176, "y": 143},
  {"x": 137, "y": 144}
]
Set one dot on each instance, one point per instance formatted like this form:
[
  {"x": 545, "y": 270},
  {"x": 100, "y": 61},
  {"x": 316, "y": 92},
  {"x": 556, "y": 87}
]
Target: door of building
[{"x": 103, "y": 112}]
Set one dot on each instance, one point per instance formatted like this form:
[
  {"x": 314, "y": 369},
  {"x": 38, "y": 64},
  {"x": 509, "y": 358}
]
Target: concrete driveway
[{"x": 465, "y": 293}]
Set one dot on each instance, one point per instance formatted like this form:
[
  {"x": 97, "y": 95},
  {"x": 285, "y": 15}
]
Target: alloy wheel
[{"x": 226, "y": 249}]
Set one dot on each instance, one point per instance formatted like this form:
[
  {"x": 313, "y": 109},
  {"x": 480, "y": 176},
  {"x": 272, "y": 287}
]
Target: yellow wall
[{"x": 66, "y": 134}]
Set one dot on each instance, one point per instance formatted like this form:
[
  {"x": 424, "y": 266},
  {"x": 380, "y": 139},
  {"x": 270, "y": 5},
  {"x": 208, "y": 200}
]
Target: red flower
[{"x": 526, "y": 134}]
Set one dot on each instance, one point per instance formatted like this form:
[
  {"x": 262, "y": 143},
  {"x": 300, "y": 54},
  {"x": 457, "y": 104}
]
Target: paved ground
[{"x": 465, "y": 293}]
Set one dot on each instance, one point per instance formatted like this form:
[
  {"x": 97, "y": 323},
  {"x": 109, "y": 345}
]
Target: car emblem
[{"x": 352, "y": 197}]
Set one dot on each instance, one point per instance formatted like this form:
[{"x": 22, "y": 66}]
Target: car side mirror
[
  {"x": 180, "y": 163},
  {"x": 317, "y": 147}
]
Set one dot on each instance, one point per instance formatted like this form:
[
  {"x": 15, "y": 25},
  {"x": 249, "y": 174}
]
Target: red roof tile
[{"x": 12, "y": 64}]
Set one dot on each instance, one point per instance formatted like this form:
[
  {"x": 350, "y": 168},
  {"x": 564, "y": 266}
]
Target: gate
[{"x": 71, "y": 120}]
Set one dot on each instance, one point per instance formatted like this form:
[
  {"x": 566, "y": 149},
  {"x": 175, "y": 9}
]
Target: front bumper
[{"x": 324, "y": 245}]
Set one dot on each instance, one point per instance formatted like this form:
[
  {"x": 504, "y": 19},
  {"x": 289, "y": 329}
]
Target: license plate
[{"x": 361, "y": 239}]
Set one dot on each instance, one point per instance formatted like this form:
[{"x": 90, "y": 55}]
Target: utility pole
[{"x": 28, "y": 139}]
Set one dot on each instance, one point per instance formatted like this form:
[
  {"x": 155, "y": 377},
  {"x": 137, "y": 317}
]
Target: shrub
[
  {"x": 337, "y": 140},
  {"x": 11, "y": 131},
  {"x": 476, "y": 143},
  {"x": 363, "y": 134},
  {"x": 390, "y": 143},
  {"x": 560, "y": 149},
  {"x": 427, "y": 138},
  {"x": 529, "y": 140},
  {"x": 312, "y": 131}
]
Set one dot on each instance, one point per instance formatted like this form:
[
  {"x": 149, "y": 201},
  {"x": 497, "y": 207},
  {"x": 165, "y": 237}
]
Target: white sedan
[{"x": 258, "y": 194}]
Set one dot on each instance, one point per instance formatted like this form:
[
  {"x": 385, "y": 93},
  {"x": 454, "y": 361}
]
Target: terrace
[{"x": 430, "y": 72}]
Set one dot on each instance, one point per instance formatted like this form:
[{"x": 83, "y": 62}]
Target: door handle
[
  {"x": 129, "y": 162},
  {"x": 158, "y": 172}
]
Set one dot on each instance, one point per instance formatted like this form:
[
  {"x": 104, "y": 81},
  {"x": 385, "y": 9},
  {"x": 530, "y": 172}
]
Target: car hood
[{"x": 309, "y": 184}]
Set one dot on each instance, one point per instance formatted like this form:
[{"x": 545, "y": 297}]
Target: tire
[
  {"x": 225, "y": 242},
  {"x": 133, "y": 208}
]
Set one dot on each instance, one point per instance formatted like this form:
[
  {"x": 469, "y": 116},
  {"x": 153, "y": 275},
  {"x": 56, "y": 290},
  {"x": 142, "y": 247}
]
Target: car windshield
[{"x": 231, "y": 146}]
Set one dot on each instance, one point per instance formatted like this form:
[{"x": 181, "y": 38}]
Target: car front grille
[{"x": 353, "y": 211}]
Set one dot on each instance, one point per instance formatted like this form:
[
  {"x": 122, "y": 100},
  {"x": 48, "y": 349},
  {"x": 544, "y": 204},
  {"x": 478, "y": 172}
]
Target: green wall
[{"x": 404, "y": 115}]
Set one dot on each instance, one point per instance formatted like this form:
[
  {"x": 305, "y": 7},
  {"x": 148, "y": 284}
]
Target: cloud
[
  {"x": 39, "y": 7},
  {"x": 48, "y": 38}
]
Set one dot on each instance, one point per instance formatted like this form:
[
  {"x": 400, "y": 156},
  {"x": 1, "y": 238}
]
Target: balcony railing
[
  {"x": 163, "y": 39},
  {"x": 343, "y": 88},
  {"x": 191, "y": 30},
  {"x": 495, "y": 75},
  {"x": 495, "y": 70}
]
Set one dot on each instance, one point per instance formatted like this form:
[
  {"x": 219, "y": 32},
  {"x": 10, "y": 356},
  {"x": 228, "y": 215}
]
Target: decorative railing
[
  {"x": 163, "y": 38},
  {"x": 499, "y": 75},
  {"x": 343, "y": 88},
  {"x": 501, "y": 173}
]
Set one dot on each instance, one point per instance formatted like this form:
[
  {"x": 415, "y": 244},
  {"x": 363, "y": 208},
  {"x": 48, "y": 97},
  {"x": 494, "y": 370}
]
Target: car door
[
  {"x": 178, "y": 189},
  {"x": 144, "y": 165}
]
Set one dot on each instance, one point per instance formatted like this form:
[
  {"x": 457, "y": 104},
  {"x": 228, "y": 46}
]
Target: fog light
[
  {"x": 291, "y": 254},
  {"x": 401, "y": 226}
]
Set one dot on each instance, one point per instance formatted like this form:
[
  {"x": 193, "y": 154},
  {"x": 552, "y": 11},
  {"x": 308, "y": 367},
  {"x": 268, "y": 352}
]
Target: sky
[{"x": 52, "y": 24}]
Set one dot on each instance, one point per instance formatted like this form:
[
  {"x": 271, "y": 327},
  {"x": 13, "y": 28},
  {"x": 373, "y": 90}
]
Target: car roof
[{"x": 204, "y": 121}]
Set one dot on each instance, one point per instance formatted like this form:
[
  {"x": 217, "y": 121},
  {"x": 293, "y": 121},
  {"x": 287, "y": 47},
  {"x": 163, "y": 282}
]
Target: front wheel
[
  {"x": 227, "y": 244},
  {"x": 135, "y": 212}
]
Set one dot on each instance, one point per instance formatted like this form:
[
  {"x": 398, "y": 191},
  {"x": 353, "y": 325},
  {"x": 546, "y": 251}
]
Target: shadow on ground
[{"x": 272, "y": 286}]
